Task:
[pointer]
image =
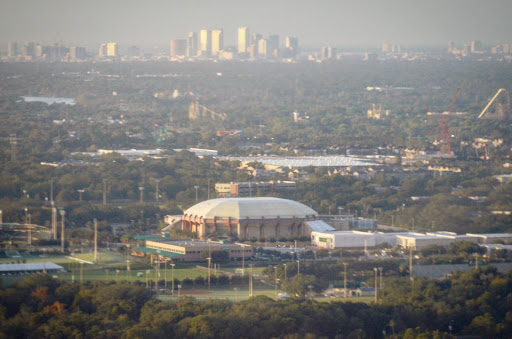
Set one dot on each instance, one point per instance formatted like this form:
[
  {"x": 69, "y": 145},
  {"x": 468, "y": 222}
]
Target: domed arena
[{"x": 245, "y": 218}]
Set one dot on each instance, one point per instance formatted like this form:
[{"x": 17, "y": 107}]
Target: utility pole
[
  {"x": 62, "y": 214},
  {"x": 95, "y": 240}
]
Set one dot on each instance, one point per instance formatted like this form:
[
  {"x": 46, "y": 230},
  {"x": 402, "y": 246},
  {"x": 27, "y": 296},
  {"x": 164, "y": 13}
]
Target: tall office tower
[
  {"x": 205, "y": 42},
  {"x": 77, "y": 53},
  {"x": 38, "y": 51},
  {"x": 263, "y": 48},
  {"x": 192, "y": 44},
  {"x": 476, "y": 46},
  {"x": 133, "y": 51},
  {"x": 328, "y": 53},
  {"x": 255, "y": 37},
  {"x": 178, "y": 47},
  {"x": 451, "y": 46},
  {"x": 102, "y": 52},
  {"x": 292, "y": 46},
  {"x": 243, "y": 39},
  {"x": 113, "y": 49},
  {"x": 29, "y": 49},
  {"x": 12, "y": 49},
  {"x": 273, "y": 45},
  {"x": 217, "y": 41}
]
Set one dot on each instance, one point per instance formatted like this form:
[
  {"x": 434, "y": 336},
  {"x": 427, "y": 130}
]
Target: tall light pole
[
  {"x": 382, "y": 292},
  {"x": 54, "y": 220},
  {"x": 26, "y": 215},
  {"x": 275, "y": 291},
  {"x": 62, "y": 214},
  {"x": 285, "y": 273},
  {"x": 236, "y": 291},
  {"x": 196, "y": 187},
  {"x": 141, "y": 189},
  {"x": 179, "y": 288},
  {"x": 376, "y": 297},
  {"x": 345, "y": 279},
  {"x": 1, "y": 217},
  {"x": 80, "y": 194},
  {"x": 51, "y": 190},
  {"x": 104, "y": 191},
  {"x": 165, "y": 276},
  {"x": 157, "y": 193},
  {"x": 172, "y": 277},
  {"x": 298, "y": 267},
  {"x": 250, "y": 282},
  {"x": 95, "y": 240},
  {"x": 81, "y": 271}
]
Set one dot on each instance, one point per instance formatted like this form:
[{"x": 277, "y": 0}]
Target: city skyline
[{"x": 335, "y": 23}]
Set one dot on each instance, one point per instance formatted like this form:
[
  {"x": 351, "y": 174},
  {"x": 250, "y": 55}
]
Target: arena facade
[{"x": 261, "y": 218}]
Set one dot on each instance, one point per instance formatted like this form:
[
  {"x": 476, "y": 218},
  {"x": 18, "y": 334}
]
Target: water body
[
  {"x": 294, "y": 162},
  {"x": 50, "y": 100}
]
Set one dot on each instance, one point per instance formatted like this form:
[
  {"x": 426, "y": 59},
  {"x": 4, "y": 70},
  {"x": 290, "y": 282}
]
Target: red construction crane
[{"x": 442, "y": 119}]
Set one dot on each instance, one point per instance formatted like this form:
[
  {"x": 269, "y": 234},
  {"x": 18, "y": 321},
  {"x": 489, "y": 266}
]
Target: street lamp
[
  {"x": 285, "y": 273},
  {"x": 236, "y": 291},
  {"x": 179, "y": 288},
  {"x": 26, "y": 215}
]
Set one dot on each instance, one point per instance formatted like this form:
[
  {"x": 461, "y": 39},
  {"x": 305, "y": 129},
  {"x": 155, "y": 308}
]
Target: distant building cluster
[
  {"x": 31, "y": 51},
  {"x": 252, "y": 189}
]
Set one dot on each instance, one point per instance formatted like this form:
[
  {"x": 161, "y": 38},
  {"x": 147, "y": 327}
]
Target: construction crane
[
  {"x": 443, "y": 120},
  {"x": 504, "y": 111}
]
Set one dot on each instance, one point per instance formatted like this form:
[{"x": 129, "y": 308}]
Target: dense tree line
[{"x": 476, "y": 302}]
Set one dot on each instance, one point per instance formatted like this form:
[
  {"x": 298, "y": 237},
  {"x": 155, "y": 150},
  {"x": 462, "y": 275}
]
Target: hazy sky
[{"x": 314, "y": 22}]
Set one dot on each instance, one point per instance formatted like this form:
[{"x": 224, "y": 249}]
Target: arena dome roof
[{"x": 252, "y": 208}]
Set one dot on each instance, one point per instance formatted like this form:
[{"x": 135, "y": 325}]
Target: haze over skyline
[{"x": 337, "y": 23}]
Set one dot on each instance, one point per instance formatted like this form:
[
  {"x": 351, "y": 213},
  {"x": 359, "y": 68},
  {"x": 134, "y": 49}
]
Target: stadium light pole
[
  {"x": 376, "y": 297},
  {"x": 172, "y": 277},
  {"x": 62, "y": 214}
]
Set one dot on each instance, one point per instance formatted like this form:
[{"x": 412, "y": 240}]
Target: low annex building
[
  {"x": 261, "y": 218},
  {"x": 190, "y": 250}
]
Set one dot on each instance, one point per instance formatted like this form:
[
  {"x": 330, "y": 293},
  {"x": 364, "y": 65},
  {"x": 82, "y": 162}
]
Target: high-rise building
[
  {"x": 113, "y": 49},
  {"x": 102, "y": 51},
  {"x": 12, "y": 49},
  {"x": 77, "y": 53},
  {"x": 205, "y": 42},
  {"x": 243, "y": 39},
  {"x": 178, "y": 47},
  {"x": 476, "y": 46},
  {"x": 263, "y": 48},
  {"x": 217, "y": 41},
  {"x": 133, "y": 51},
  {"x": 29, "y": 49},
  {"x": 192, "y": 44},
  {"x": 273, "y": 46},
  {"x": 328, "y": 53},
  {"x": 292, "y": 46}
]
